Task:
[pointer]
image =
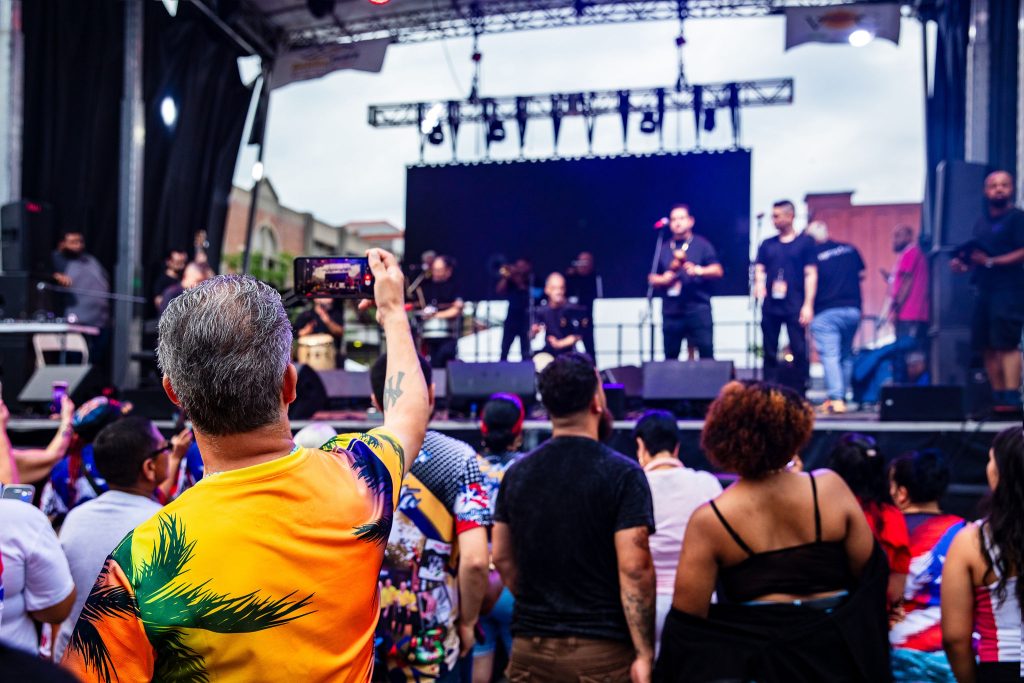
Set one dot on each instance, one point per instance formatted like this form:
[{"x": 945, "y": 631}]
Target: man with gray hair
[{"x": 266, "y": 568}]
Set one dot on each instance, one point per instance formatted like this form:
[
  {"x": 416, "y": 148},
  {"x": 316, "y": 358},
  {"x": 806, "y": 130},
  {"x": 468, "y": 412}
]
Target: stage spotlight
[
  {"x": 436, "y": 134},
  {"x": 647, "y": 124},
  {"x": 168, "y": 111},
  {"x": 495, "y": 131},
  {"x": 709, "y": 119},
  {"x": 433, "y": 117},
  {"x": 861, "y": 37}
]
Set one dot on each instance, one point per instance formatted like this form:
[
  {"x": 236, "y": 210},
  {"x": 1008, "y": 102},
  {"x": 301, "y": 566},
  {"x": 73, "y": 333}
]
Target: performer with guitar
[{"x": 686, "y": 270}]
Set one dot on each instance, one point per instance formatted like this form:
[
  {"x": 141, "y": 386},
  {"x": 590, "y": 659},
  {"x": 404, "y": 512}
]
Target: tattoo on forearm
[
  {"x": 393, "y": 390},
  {"x": 640, "y": 615}
]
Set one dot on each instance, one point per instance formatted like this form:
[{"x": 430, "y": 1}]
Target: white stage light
[
  {"x": 168, "y": 111},
  {"x": 861, "y": 37}
]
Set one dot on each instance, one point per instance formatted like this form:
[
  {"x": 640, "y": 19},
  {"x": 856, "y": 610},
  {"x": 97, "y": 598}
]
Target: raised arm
[
  {"x": 406, "y": 405},
  {"x": 35, "y": 463},
  {"x": 636, "y": 586}
]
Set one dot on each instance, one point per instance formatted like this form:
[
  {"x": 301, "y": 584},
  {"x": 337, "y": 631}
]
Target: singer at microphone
[{"x": 687, "y": 267}]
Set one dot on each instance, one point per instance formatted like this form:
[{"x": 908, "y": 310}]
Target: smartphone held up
[{"x": 335, "y": 277}]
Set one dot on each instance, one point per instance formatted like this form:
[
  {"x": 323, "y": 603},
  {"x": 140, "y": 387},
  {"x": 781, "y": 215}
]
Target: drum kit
[{"x": 317, "y": 351}]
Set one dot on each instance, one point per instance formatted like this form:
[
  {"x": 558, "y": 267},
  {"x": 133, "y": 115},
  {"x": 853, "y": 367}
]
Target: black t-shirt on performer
[
  {"x": 560, "y": 323},
  {"x": 687, "y": 293},
  {"x": 839, "y": 269},
  {"x": 785, "y": 262},
  {"x": 439, "y": 294},
  {"x": 563, "y": 503},
  {"x": 518, "y": 297},
  {"x": 998, "y": 236}
]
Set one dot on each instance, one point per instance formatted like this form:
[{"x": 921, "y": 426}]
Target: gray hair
[{"x": 224, "y": 346}]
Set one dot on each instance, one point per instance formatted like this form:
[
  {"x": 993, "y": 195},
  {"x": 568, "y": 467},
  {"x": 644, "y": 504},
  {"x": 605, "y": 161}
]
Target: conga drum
[{"x": 317, "y": 351}]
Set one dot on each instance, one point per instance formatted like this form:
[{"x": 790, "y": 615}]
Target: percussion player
[{"x": 326, "y": 317}]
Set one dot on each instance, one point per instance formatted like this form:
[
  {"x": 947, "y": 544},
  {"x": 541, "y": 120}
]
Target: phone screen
[
  {"x": 60, "y": 390},
  {"x": 336, "y": 277},
  {"x": 22, "y": 492}
]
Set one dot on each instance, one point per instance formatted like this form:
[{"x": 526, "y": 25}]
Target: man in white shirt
[
  {"x": 37, "y": 582},
  {"x": 132, "y": 456},
  {"x": 677, "y": 491}
]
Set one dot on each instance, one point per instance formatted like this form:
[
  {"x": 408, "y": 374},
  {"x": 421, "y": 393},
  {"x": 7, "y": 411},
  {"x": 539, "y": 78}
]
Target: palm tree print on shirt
[
  {"x": 155, "y": 594},
  {"x": 361, "y": 454}
]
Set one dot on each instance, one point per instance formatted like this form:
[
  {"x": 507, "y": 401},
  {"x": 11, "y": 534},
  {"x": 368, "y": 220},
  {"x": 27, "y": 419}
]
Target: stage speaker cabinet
[
  {"x": 959, "y": 201},
  {"x": 952, "y": 357},
  {"x": 27, "y": 237},
  {"x": 341, "y": 384},
  {"x": 470, "y": 383},
  {"x": 17, "y": 300},
  {"x": 83, "y": 383},
  {"x": 939, "y": 403},
  {"x": 952, "y": 296},
  {"x": 696, "y": 380}
]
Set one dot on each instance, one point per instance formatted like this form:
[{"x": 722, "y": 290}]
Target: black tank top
[{"x": 805, "y": 569}]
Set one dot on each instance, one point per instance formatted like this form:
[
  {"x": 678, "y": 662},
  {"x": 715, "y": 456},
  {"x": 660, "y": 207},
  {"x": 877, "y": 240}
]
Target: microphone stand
[
  {"x": 650, "y": 288},
  {"x": 754, "y": 309},
  {"x": 41, "y": 286}
]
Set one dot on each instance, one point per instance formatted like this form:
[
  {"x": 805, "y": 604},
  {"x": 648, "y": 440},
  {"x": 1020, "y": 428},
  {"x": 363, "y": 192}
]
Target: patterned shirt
[
  {"x": 442, "y": 497},
  {"x": 264, "y": 572}
]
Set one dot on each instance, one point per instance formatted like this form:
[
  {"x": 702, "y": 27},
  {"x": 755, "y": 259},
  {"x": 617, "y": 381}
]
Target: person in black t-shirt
[
  {"x": 573, "y": 519},
  {"x": 514, "y": 285},
  {"x": 686, "y": 270},
  {"x": 441, "y": 315},
  {"x": 786, "y": 281},
  {"x": 997, "y": 257},
  {"x": 563, "y": 323},
  {"x": 325, "y": 317},
  {"x": 583, "y": 287},
  {"x": 837, "y": 311}
]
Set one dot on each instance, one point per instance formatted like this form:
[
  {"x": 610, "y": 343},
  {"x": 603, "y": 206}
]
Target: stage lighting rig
[{"x": 651, "y": 104}]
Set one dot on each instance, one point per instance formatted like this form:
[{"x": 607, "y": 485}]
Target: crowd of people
[{"x": 404, "y": 554}]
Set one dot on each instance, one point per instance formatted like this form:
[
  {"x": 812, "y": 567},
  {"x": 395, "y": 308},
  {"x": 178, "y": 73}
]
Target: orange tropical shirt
[{"x": 263, "y": 573}]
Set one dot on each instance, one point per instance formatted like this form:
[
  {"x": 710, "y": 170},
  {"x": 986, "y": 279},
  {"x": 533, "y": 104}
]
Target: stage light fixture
[
  {"x": 860, "y": 37},
  {"x": 436, "y": 134},
  {"x": 709, "y": 119},
  {"x": 168, "y": 111},
  {"x": 495, "y": 131},
  {"x": 257, "y": 171},
  {"x": 432, "y": 118},
  {"x": 648, "y": 124}
]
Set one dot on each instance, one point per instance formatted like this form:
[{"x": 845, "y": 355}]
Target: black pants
[
  {"x": 910, "y": 337},
  {"x": 695, "y": 327},
  {"x": 771, "y": 324},
  {"x": 517, "y": 324},
  {"x": 441, "y": 350},
  {"x": 587, "y": 334}
]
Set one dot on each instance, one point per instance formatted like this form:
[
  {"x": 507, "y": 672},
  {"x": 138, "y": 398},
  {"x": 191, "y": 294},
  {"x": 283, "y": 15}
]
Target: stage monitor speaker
[
  {"x": 631, "y": 377},
  {"x": 696, "y": 380},
  {"x": 475, "y": 382},
  {"x": 939, "y": 403},
  {"x": 27, "y": 237},
  {"x": 83, "y": 383},
  {"x": 341, "y": 384},
  {"x": 17, "y": 299},
  {"x": 959, "y": 201}
]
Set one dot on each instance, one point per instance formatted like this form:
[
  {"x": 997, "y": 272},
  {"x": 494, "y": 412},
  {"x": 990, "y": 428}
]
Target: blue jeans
[{"x": 833, "y": 330}]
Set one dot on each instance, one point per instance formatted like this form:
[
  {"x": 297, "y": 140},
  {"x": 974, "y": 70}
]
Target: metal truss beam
[
  {"x": 591, "y": 104},
  {"x": 460, "y": 18}
]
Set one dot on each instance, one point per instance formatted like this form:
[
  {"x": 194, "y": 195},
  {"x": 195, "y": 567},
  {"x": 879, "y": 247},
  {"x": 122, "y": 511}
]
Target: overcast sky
[{"x": 857, "y": 122}]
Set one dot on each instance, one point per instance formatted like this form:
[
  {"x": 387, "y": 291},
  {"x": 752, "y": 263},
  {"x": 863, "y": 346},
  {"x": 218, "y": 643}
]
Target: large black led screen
[{"x": 484, "y": 214}]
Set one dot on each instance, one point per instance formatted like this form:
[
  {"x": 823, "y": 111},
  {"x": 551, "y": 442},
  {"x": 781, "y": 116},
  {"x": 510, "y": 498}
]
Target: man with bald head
[
  {"x": 561, "y": 321},
  {"x": 906, "y": 305},
  {"x": 996, "y": 255}
]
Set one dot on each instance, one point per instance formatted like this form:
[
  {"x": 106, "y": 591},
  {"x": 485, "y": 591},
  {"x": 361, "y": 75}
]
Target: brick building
[
  {"x": 869, "y": 228},
  {"x": 281, "y": 231}
]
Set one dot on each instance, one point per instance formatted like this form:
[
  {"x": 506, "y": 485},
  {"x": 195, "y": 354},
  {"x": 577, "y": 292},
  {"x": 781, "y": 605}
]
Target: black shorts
[{"x": 998, "y": 320}]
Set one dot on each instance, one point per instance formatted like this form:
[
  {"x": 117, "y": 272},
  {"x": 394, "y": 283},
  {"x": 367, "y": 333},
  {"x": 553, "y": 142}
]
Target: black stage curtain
[
  {"x": 73, "y": 90},
  {"x": 945, "y": 106},
  {"x": 1002, "y": 132}
]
